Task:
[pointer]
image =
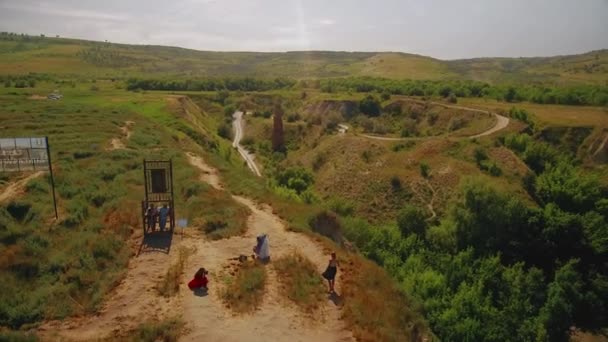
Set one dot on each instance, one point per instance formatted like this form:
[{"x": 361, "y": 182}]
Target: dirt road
[
  {"x": 236, "y": 143},
  {"x": 501, "y": 123}
]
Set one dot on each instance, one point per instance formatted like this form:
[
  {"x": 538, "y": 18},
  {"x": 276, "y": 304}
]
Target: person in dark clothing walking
[{"x": 330, "y": 272}]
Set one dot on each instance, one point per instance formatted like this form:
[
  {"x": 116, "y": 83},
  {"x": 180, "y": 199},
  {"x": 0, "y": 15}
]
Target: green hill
[{"x": 21, "y": 54}]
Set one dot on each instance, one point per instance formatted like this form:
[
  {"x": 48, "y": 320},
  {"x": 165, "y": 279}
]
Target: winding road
[
  {"x": 236, "y": 143},
  {"x": 501, "y": 123}
]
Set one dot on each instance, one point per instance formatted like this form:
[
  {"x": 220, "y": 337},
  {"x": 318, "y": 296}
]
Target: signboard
[{"x": 24, "y": 154}]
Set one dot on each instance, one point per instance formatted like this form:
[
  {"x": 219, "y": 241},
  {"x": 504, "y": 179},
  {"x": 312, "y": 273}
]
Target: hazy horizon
[{"x": 439, "y": 29}]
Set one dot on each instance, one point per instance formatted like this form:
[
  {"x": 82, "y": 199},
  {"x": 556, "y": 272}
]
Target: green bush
[
  {"x": 341, "y": 206},
  {"x": 297, "y": 179},
  {"x": 411, "y": 220},
  {"x": 425, "y": 170},
  {"x": 83, "y": 154},
  {"x": 370, "y": 106},
  {"x": 224, "y": 131},
  {"x": 78, "y": 211}
]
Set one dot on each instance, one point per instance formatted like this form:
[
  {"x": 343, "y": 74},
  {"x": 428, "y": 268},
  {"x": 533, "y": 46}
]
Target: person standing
[
  {"x": 162, "y": 216},
  {"x": 330, "y": 272},
  {"x": 151, "y": 215}
]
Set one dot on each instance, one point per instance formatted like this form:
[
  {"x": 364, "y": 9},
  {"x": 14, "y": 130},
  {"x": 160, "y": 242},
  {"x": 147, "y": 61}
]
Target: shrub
[
  {"x": 370, "y": 106},
  {"x": 297, "y": 179},
  {"x": 37, "y": 185},
  {"x": 341, "y": 206},
  {"x": 293, "y": 117},
  {"x": 319, "y": 161},
  {"x": 166, "y": 331},
  {"x": 78, "y": 211},
  {"x": 395, "y": 183},
  {"x": 244, "y": 293},
  {"x": 480, "y": 155},
  {"x": 327, "y": 224},
  {"x": 452, "y": 98},
  {"x": 213, "y": 225},
  {"x": 425, "y": 170},
  {"x": 82, "y": 154},
  {"x": 411, "y": 220},
  {"x": 456, "y": 124},
  {"x": 192, "y": 189},
  {"x": 224, "y": 131}
]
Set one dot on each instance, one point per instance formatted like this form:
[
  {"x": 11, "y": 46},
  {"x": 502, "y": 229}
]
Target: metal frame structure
[
  {"x": 158, "y": 183},
  {"x": 27, "y": 154}
]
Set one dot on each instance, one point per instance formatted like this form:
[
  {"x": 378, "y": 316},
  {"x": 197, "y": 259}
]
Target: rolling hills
[{"x": 21, "y": 54}]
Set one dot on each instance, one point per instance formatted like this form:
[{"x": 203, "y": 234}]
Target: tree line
[
  {"x": 211, "y": 84},
  {"x": 544, "y": 94}
]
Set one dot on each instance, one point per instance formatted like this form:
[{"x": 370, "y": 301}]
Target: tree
[
  {"x": 385, "y": 96},
  {"x": 558, "y": 313},
  {"x": 411, "y": 220},
  {"x": 297, "y": 179},
  {"x": 370, "y": 106},
  {"x": 510, "y": 95},
  {"x": 278, "y": 136}
]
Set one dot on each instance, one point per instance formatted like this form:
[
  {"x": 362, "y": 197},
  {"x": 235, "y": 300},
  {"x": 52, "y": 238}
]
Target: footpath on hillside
[{"x": 136, "y": 299}]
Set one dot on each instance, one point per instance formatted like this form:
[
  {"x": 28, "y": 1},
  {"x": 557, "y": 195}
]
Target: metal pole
[
  {"x": 48, "y": 154},
  {"x": 172, "y": 200},
  {"x": 146, "y": 198}
]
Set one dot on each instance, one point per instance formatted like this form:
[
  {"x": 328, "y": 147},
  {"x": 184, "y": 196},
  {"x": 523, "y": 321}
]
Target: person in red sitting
[{"x": 200, "y": 280}]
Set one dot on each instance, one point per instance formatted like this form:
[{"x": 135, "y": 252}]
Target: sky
[{"x": 445, "y": 29}]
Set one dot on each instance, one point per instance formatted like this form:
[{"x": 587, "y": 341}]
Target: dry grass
[
  {"x": 549, "y": 114},
  {"x": 300, "y": 281},
  {"x": 374, "y": 308},
  {"x": 243, "y": 293},
  {"x": 167, "y": 331},
  {"x": 169, "y": 286}
]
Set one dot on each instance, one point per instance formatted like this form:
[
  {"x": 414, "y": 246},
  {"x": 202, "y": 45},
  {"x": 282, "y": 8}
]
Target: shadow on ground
[
  {"x": 156, "y": 242},
  {"x": 336, "y": 298},
  {"x": 200, "y": 292}
]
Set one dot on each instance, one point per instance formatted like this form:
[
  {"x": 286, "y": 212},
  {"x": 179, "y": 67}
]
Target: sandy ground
[
  {"x": 15, "y": 188},
  {"x": 119, "y": 143},
  {"x": 136, "y": 300}
]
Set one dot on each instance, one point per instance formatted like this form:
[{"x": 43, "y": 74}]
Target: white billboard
[{"x": 24, "y": 154}]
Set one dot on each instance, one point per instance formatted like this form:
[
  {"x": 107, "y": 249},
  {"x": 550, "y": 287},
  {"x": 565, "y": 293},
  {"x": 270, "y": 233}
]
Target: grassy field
[
  {"x": 52, "y": 269},
  {"x": 65, "y": 57}
]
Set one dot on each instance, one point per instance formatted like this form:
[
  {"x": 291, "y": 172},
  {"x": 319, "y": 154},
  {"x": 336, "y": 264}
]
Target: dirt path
[
  {"x": 119, "y": 143},
  {"x": 135, "y": 300},
  {"x": 132, "y": 302},
  {"x": 501, "y": 123},
  {"x": 15, "y": 188},
  {"x": 238, "y": 135},
  {"x": 277, "y": 319}
]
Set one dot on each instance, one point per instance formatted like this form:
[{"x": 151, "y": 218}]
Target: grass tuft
[
  {"x": 300, "y": 281},
  {"x": 244, "y": 292},
  {"x": 166, "y": 331},
  {"x": 169, "y": 286}
]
